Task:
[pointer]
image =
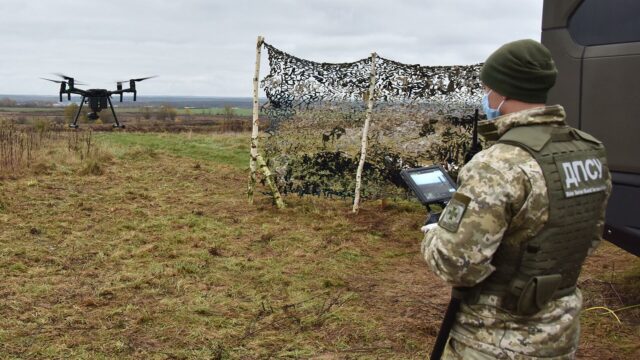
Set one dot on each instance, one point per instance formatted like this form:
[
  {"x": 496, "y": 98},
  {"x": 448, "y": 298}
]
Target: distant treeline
[
  {"x": 9, "y": 102},
  {"x": 175, "y": 101}
]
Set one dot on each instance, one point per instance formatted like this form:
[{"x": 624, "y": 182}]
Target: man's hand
[
  {"x": 425, "y": 229},
  {"x": 426, "y": 241}
]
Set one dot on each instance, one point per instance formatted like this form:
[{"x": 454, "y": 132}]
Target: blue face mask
[{"x": 491, "y": 113}]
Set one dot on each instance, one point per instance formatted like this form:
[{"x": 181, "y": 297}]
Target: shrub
[{"x": 92, "y": 167}]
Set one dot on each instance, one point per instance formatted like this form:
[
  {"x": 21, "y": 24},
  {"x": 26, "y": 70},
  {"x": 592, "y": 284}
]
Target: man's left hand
[{"x": 425, "y": 229}]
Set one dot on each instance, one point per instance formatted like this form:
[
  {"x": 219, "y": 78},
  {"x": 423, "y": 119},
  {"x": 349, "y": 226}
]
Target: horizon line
[{"x": 140, "y": 95}]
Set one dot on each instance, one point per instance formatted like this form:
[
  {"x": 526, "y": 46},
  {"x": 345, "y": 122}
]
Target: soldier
[{"x": 527, "y": 212}]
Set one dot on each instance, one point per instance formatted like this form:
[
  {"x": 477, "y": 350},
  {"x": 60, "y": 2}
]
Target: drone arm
[
  {"x": 131, "y": 89},
  {"x": 119, "y": 92},
  {"x": 75, "y": 91}
]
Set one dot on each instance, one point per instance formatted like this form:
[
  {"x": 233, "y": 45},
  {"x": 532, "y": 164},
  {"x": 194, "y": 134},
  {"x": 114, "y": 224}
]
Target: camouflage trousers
[
  {"x": 458, "y": 351},
  {"x": 455, "y": 350}
]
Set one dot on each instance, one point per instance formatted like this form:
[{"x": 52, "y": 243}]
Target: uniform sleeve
[{"x": 459, "y": 250}]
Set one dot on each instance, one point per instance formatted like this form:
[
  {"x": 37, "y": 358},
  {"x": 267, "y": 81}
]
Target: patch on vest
[
  {"x": 581, "y": 174},
  {"x": 452, "y": 214}
]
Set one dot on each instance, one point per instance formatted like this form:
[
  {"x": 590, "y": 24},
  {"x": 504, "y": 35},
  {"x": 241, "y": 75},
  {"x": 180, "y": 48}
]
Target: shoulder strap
[
  {"x": 587, "y": 137},
  {"x": 530, "y": 137}
]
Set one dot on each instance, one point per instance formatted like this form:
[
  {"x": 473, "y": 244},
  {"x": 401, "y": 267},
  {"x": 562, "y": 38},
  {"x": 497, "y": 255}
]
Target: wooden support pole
[
  {"x": 270, "y": 181},
  {"x": 256, "y": 161},
  {"x": 254, "y": 129},
  {"x": 365, "y": 131}
]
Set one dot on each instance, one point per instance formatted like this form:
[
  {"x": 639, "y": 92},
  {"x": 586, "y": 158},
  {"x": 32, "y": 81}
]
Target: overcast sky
[{"x": 207, "y": 47}]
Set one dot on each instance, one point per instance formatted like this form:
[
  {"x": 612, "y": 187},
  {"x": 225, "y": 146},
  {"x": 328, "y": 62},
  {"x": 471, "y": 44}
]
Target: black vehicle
[{"x": 596, "y": 47}]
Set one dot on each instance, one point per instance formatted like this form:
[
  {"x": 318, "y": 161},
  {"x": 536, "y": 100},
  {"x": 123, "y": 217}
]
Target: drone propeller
[
  {"x": 63, "y": 87},
  {"x": 140, "y": 79},
  {"x": 69, "y": 79},
  {"x": 145, "y": 78},
  {"x": 55, "y": 81},
  {"x": 136, "y": 80},
  {"x": 64, "y": 76},
  {"x": 132, "y": 85}
]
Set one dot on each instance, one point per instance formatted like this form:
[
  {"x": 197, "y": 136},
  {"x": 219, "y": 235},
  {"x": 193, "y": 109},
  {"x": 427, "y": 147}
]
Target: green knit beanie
[{"x": 521, "y": 70}]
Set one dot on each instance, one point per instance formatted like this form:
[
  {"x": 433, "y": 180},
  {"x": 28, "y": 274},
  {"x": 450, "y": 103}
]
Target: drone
[{"x": 97, "y": 99}]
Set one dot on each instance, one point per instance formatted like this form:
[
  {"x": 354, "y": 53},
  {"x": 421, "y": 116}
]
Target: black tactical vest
[{"x": 546, "y": 266}]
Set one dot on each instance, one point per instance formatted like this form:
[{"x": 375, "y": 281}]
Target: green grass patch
[
  {"x": 216, "y": 111},
  {"x": 228, "y": 149}
]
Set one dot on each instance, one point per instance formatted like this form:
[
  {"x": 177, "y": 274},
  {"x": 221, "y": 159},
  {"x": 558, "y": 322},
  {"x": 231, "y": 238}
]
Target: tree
[
  {"x": 146, "y": 112},
  {"x": 229, "y": 112},
  {"x": 70, "y": 112},
  {"x": 7, "y": 102},
  {"x": 106, "y": 116},
  {"x": 172, "y": 112},
  {"x": 228, "y": 123},
  {"x": 166, "y": 112},
  {"x": 187, "y": 115}
]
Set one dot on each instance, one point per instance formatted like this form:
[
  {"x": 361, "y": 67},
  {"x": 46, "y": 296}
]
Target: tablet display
[{"x": 431, "y": 184}]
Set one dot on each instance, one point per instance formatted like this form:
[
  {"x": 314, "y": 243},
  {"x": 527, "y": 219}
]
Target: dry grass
[
  {"x": 610, "y": 280},
  {"x": 158, "y": 255},
  {"x": 39, "y": 151}
]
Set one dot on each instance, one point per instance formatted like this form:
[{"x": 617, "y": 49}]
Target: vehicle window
[{"x": 598, "y": 22}]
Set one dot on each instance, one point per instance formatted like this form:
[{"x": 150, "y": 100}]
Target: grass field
[
  {"x": 29, "y": 109},
  {"x": 147, "y": 248},
  {"x": 226, "y": 149},
  {"x": 197, "y": 111},
  {"x": 216, "y": 111}
]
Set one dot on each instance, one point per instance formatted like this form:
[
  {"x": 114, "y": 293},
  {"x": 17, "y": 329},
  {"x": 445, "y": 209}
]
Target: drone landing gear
[
  {"x": 117, "y": 124},
  {"x": 74, "y": 125}
]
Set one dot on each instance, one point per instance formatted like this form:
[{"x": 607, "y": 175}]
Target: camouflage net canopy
[{"x": 422, "y": 115}]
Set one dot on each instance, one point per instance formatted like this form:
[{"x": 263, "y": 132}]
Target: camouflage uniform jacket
[{"x": 508, "y": 192}]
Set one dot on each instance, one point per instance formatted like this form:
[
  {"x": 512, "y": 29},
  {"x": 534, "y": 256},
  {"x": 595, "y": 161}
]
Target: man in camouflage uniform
[{"x": 527, "y": 212}]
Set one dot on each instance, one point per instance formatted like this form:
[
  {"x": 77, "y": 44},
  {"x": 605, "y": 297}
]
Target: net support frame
[{"x": 256, "y": 162}]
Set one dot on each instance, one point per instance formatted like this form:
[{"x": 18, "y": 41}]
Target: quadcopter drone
[{"x": 97, "y": 99}]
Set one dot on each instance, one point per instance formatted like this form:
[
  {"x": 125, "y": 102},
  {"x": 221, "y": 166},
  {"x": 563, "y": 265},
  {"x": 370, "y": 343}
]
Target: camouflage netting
[{"x": 422, "y": 115}]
